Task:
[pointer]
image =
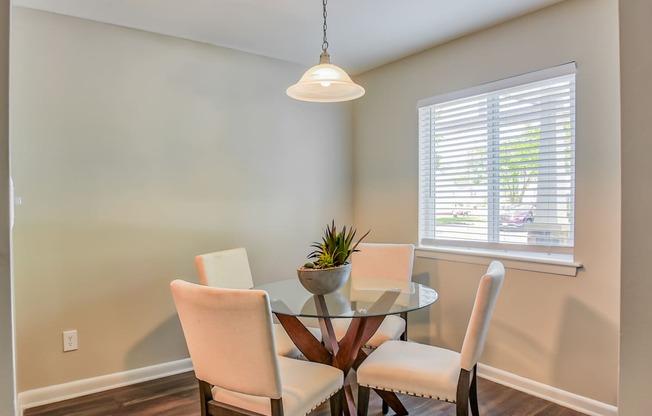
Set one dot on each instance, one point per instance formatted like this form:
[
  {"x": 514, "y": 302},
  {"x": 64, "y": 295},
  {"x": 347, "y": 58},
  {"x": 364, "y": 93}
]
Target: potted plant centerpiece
[{"x": 330, "y": 267}]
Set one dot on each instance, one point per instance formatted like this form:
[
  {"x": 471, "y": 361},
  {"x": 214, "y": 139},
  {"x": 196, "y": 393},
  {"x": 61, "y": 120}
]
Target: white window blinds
[{"x": 497, "y": 164}]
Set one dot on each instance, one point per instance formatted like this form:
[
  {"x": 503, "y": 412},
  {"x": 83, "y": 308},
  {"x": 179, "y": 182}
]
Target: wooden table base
[{"x": 345, "y": 354}]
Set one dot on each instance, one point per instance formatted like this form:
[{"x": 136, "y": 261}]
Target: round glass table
[
  {"x": 365, "y": 301},
  {"x": 359, "y": 299}
]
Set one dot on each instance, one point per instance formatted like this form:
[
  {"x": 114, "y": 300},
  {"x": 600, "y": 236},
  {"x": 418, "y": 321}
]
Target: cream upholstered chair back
[
  {"x": 483, "y": 307},
  {"x": 229, "y": 269},
  {"x": 383, "y": 261},
  {"x": 377, "y": 267},
  {"x": 230, "y": 338},
  {"x": 226, "y": 269}
]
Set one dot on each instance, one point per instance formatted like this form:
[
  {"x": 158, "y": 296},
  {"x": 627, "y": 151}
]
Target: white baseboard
[
  {"x": 51, "y": 394},
  {"x": 552, "y": 394}
]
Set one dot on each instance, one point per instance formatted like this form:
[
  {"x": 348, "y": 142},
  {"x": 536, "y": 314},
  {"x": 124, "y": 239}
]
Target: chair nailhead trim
[
  {"x": 409, "y": 393},
  {"x": 323, "y": 401}
]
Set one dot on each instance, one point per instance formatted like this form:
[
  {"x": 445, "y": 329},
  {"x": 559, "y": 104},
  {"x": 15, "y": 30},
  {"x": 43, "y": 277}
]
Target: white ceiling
[{"x": 362, "y": 34}]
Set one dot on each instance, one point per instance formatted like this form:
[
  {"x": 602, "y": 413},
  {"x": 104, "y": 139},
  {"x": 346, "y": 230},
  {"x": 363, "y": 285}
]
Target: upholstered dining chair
[
  {"x": 380, "y": 266},
  {"x": 433, "y": 372},
  {"x": 231, "y": 344},
  {"x": 230, "y": 269}
]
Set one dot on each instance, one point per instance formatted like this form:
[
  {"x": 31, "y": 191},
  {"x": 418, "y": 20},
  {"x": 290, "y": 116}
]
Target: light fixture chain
[{"x": 324, "y": 45}]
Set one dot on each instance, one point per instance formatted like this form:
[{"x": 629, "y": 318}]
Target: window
[{"x": 497, "y": 165}]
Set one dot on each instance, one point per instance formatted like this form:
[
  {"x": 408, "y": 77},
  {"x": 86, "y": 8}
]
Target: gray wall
[
  {"x": 561, "y": 331},
  {"x": 636, "y": 286},
  {"x": 7, "y": 380},
  {"x": 133, "y": 153}
]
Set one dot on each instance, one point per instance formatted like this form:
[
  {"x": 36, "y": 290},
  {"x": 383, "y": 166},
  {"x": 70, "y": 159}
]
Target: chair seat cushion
[
  {"x": 391, "y": 328},
  {"x": 284, "y": 344},
  {"x": 306, "y": 385},
  {"x": 412, "y": 368}
]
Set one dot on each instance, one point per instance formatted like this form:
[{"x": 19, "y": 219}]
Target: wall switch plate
[{"x": 70, "y": 340}]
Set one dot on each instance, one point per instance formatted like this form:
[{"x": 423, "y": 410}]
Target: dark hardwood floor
[
  {"x": 177, "y": 396},
  {"x": 174, "y": 395}
]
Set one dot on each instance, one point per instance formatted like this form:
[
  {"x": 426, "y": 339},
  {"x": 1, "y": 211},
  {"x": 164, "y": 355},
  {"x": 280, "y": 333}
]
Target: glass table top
[{"x": 358, "y": 297}]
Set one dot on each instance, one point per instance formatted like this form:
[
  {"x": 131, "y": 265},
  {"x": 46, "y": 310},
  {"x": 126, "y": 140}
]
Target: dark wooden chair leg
[
  {"x": 363, "y": 400},
  {"x": 210, "y": 407},
  {"x": 473, "y": 392},
  {"x": 385, "y": 407},
  {"x": 277, "y": 407},
  {"x": 404, "y": 335},
  {"x": 205, "y": 396},
  {"x": 462, "y": 405},
  {"x": 336, "y": 401}
]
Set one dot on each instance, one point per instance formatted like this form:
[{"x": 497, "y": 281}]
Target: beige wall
[
  {"x": 557, "y": 330},
  {"x": 134, "y": 152},
  {"x": 636, "y": 313},
  {"x": 7, "y": 380}
]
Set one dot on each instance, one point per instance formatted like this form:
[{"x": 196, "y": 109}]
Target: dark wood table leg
[
  {"x": 349, "y": 401},
  {"x": 367, "y": 327},
  {"x": 327, "y": 331},
  {"x": 305, "y": 340},
  {"x": 358, "y": 333},
  {"x": 345, "y": 354},
  {"x": 393, "y": 401}
]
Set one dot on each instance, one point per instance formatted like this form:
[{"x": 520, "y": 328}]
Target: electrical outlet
[{"x": 70, "y": 340}]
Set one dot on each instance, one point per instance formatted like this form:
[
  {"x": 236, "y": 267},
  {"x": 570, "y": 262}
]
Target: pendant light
[{"x": 325, "y": 83}]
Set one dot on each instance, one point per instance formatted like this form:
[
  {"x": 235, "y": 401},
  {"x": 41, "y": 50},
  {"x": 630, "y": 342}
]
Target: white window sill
[{"x": 560, "y": 264}]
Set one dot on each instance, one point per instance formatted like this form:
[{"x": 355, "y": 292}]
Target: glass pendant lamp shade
[{"x": 325, "y": 83}]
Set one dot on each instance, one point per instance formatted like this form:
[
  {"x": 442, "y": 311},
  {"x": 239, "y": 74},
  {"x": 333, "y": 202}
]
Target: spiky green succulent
[{"x": 335, "y": 248}]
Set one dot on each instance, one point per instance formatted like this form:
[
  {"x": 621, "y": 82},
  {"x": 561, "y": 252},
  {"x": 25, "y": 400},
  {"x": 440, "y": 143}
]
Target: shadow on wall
[
  {"x": 524, "y": 351},
  {"x": 449, "y": 317},
  {"x": 587, "y": 338},
  {"x": 149, "y": 348},
  {"x": 425, "y": 323},
  {"x": 584, "y": 338}
]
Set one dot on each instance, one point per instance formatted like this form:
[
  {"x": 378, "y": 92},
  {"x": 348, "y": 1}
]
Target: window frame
[{"x": 539, "y": 254}]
